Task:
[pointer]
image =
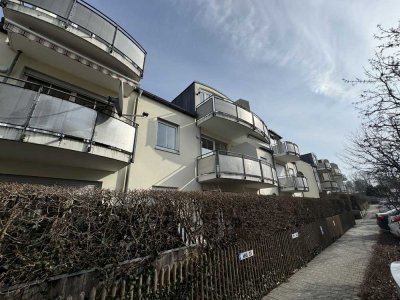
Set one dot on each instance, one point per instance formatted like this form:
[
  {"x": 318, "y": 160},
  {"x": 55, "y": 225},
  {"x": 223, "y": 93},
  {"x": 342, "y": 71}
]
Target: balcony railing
[
  {"x": 324, "y": 166},
  {"x": 335, "y": 170},
  {"x": 286, "y": 148},
  {"x": 217, "y": 106},
  {"x": 224, "y": 164},
  {"x": 330, "y": 186},
  {"x": 81, "y": 15},
  {"x": 30, "y": 107},
  {"x": 293, "y": 184}
]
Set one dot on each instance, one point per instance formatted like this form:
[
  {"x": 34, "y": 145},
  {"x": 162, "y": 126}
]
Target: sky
[{"x": 287, "y": 57}]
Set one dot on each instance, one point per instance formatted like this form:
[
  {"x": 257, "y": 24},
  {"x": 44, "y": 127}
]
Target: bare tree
[{"x": 375, "y": 149}]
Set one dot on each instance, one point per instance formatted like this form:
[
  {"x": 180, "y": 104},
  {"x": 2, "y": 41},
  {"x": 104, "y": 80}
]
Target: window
[
  {"x": 203, "y": 95},
  {"x": 167, "y": 136},
  {"x": 208, "y": 145}
]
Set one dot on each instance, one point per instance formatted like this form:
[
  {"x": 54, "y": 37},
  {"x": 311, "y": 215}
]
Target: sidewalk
[{"x": 338, "y": 271}]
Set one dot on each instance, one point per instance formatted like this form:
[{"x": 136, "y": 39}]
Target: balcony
[
  {"x": 227, "y": 167},
  {"x": 286, "y": 152},
  {"x": 227, "y": 119},
  {"x": 330, "y": 186},
  {"x": 293, "y": 184},
  {"x": 324, "y": 166},
  {"x": 80, "y": 28},
  {"x": 42, "y": 124},
  {"x": 336, "y": 171}
]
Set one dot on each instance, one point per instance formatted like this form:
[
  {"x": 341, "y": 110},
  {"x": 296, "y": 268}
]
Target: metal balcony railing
[
  {"x": 235, "y": 166},
  {"x": 293, "y": 184},
  {"x": 31, "y": 107},
  {"x": 215, "y": 105},
  {"x": 324, "y": 165},
  {"x": 330, "y": 186},
  {"x": 286, "y": 148},
  {"x": 335, "y": 170},
  {"x": 83, "y": 16}
]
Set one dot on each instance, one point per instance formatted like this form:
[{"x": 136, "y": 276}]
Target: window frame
[{"x": 177, "y": 134}]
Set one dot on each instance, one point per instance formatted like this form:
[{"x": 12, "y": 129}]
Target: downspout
[
  {"x": 128, "y": 168},
  {"x": 9, "y": 69}
]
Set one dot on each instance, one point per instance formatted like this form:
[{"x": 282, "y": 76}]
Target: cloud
[{"x": 322, "y": 41}]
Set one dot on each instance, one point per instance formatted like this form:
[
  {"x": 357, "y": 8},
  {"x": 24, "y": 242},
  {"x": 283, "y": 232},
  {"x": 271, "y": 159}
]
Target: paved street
[{"x": 338, "y": 271}]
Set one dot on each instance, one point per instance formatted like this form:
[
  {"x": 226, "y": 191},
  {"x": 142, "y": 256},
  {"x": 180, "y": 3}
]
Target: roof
[
  {"x": 167, "y": 103},
  {"x": 274, "y": 133}
]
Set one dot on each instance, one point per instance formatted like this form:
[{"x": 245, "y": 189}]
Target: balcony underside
[
  {"x": 71, "y": 37},
  {"x": 40, "y": 148},
  {"x": 287, "y": 157},
  {"x": 228, "y": 127},
  {"x": 244, "y": 181},
  {"x": 50, "y": 57}
]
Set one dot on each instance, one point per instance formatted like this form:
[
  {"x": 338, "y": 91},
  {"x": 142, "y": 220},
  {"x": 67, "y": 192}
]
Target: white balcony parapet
[
  {"x": 31, "y": 110},
  {"x": 293, "y": 184},
  {"x": 224, "y": 108},
  {"x": 237, "y": 166}
]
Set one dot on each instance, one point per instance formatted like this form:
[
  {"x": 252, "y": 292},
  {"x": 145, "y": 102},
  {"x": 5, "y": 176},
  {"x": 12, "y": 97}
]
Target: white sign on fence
[
  {"x": 322, "y": 231},
  {"x": 295, "y": 235},
  {"x": 246, "y": 254}
]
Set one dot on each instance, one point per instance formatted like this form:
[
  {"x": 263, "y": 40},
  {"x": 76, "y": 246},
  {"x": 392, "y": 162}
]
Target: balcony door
[{"x": 209, "y": 145}]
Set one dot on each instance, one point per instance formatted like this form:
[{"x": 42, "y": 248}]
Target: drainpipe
[
  {"x": 128, "y": 168},
  {"x": 8, "y": 70}
]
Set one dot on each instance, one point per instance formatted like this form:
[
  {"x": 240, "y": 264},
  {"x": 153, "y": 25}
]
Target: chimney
[{"x": 243, "y": 103}]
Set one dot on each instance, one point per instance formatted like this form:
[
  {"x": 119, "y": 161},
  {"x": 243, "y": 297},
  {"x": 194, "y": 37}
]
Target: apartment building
[
  {"x": 68, "y": 77},
  {"x": 72, "y": 113}
]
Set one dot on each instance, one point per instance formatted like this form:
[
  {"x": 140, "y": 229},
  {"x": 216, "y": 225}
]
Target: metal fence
[{"x": 247, "y": 270}]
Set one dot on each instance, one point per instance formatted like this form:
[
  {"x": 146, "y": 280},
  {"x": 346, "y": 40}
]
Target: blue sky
[{"x": 287, "y": 57}]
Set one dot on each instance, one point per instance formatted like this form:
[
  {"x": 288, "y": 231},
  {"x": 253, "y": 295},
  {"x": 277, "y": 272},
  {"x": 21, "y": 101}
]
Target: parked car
[
  {"x": 382, "y": 219},
  {"x": 395, "y": 270},
  {"x": 394, "y": 225}
]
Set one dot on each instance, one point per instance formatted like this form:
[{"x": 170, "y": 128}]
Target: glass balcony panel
[
  {"x": 301, "y": 183},
  {"x": 245, "y": 115},
  {"x": 204, "y": 109},
  {"x": 252, "y": 167},
  {"x": 230, "y": 164},
  {"x": 61, "y": 8},
  {"x": 15, "y": 104},
  {"x": 286, "y": 182},
  {"x": 112, "y": 132},
  {"x": 131, "y": 50},
  {"x": 206, "y": 165},
  {"x": 258, "y": 123},
  {"x": 93, "y": 22},
  {"x": 267, "y": 171},
  {"x": 225, "y": 107},
  {"x": 60, "y": 116}
]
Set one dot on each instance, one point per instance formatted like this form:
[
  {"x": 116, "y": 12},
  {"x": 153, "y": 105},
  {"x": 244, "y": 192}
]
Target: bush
[{"x": 46, "y": 231}]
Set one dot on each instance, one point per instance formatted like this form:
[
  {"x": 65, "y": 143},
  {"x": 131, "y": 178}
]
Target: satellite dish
[{"x": 119, "y": 102}]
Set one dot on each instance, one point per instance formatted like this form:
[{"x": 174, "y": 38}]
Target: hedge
[{"x": 46, "y": 231}]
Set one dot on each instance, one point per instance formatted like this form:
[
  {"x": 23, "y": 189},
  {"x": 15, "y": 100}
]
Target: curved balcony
[
  {"x": 293, "y": 184},
  {"x": 228, "y": 167},
  {"x": 46, "y": 125},
  {"x": 79, "y": 26},
  {"x": 324, "y": 166},
  {"x": 226, "y": 118},
  {"x": 336, "y": 171},
  {"x": 286, "y": 152},
  {"x": 330, "y": 186}
]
